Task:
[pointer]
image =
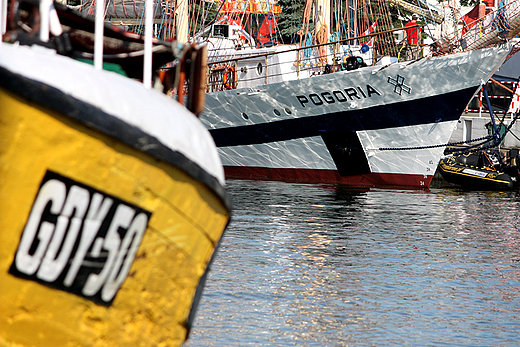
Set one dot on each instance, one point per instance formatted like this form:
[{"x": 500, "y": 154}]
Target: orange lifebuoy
[{"x": 225, "y": 80}]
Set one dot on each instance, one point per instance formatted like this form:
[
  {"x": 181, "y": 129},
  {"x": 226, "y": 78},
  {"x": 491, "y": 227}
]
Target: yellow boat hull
[{"x": 55, "y": 299}]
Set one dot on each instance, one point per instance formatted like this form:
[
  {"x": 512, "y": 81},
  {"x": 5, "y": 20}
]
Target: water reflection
[{"x": 326, "y": 265}]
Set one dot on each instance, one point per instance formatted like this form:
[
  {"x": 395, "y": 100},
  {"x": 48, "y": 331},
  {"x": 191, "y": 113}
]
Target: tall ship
[
  {"x": 351, "y": 108},
  {"x": 348, "y": 95},
  {"x": 113, "y": 202},
  {"x": 382, "y": 125}
]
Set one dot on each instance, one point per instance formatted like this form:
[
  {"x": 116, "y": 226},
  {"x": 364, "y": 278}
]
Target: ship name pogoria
[{"x": 330, "y": 97}]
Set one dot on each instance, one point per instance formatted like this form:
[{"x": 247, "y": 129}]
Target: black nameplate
[{"x": 79, "y": 239}]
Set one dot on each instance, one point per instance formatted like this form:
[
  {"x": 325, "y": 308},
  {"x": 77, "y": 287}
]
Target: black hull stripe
[
  {"x": 94, "y": 118},
  {"x": 445, "y": 107}
]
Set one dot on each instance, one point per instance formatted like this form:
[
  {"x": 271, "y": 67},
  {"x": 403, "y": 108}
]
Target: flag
[
  {"x": 515, "y": 100},
  {"x": 370, "y": 30}
]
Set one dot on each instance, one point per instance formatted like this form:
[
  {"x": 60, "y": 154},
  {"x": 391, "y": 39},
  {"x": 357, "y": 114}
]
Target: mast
[
  {"x": 99, "y": 34},
  {"x": 323, "y": 15},
  {"x": 181, "y": 14},
  {"x": 322, "y": 28},
  {"x": 3, "y": 18},
  {"x": 148, "y": 35}
]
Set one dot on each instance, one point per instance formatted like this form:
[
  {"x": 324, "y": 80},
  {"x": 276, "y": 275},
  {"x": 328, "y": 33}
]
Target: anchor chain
[{"x": 450, "y": 144}]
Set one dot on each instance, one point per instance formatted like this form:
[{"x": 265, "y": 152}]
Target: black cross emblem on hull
[{"x": 398, "y": 82}]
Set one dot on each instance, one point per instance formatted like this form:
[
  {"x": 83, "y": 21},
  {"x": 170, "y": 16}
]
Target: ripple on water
[{"x": 325, "y": 265}]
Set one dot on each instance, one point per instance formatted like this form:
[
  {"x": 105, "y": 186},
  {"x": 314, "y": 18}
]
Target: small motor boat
[{"x": 482, "y": 170}]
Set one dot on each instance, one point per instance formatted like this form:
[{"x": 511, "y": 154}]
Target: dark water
[{"x": 322, "y": 265}]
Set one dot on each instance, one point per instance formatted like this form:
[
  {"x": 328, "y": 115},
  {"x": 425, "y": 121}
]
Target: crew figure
[{"x": 412, "y": 38}]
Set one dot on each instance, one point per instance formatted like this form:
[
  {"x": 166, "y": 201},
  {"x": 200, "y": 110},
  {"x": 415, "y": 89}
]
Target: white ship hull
[{"x": 372, "y": 126}]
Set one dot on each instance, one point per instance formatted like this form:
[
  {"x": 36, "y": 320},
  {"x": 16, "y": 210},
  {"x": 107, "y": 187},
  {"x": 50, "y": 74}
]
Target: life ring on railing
[{"x": 228, "y": 81}]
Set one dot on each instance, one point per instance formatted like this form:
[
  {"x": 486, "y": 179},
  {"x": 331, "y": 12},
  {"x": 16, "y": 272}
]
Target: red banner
[{"x": 251, "y": 6}]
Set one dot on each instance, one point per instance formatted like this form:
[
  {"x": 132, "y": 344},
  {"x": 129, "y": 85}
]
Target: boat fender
[{"x": 227, "y": 81}]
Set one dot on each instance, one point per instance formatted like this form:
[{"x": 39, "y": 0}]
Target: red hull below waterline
[{"x": 328, "y": 176}]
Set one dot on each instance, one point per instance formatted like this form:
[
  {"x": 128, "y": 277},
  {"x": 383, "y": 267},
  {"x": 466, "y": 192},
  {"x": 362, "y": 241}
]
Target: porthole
[
  {"x": 259, "y": 68},
  {"x": 245, "y": 116},
  {"x": 288, "y": 110},
  {"x": 277, "y": 113}
]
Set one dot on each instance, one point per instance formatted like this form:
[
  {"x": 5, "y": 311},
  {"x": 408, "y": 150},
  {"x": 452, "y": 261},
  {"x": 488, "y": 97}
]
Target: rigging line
[
  {"x": 512, "y": 122},
  {"x": 140, "y": 25},
  {"x": 365, "y": 23},
  {"x": 490, "y": 111},
  {"x": 277, "y": 28},
  {"x": 516, "y": 137},
  {"x": 338, "y": 17},
  {"x": 424, "y": 17},
  {"x": 346, "y": 15},
  {"x": 135, "y": 7},
  {"x": 91, "y": 8},
  {"x": 171, "y": 19},
  {"x": 391, "y": 40},
  {"x": 192, "y": 18},
  {"x": 400, "y": 16},
  {"x": 124, "y": 8},
  {"x": 170, "y": 26},
  {"x": 501, "y": 85},
  {"x": 508, "y": 128},
  {"x": 199, "y": 18},
  {"x": 335, "y": 13},
  {"x": 174, "y": 16},
  {"x": 345, "y": 24},
  {"x": 495, "y": 142},
  {"x": 355, "y": 12},
  {"x": 315, "y": 20},
  {"x": 275, "y": 25},
  {"x": 161, "y": 30},
  {"x": 492, "y": 145},
  {"x": 214, "y": 19},
  {"x": 202, "y": 19},
  {"x": 270, "y": 28},
  {"x": 107, "y": 5},
  {"x": 382, "y": 18},
  {"x": 105, "y": 10},
  {"x": 430, "y": 12},
  {"x": 121, "y": 55}
]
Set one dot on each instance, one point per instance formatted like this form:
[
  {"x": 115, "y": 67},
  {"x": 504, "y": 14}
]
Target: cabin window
[
  {"x": 245, "y": 116},
  {"x": 259, "y": 68},
  {"x": 277, "y": 113},
  {"x": 288, "y": 110}
]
